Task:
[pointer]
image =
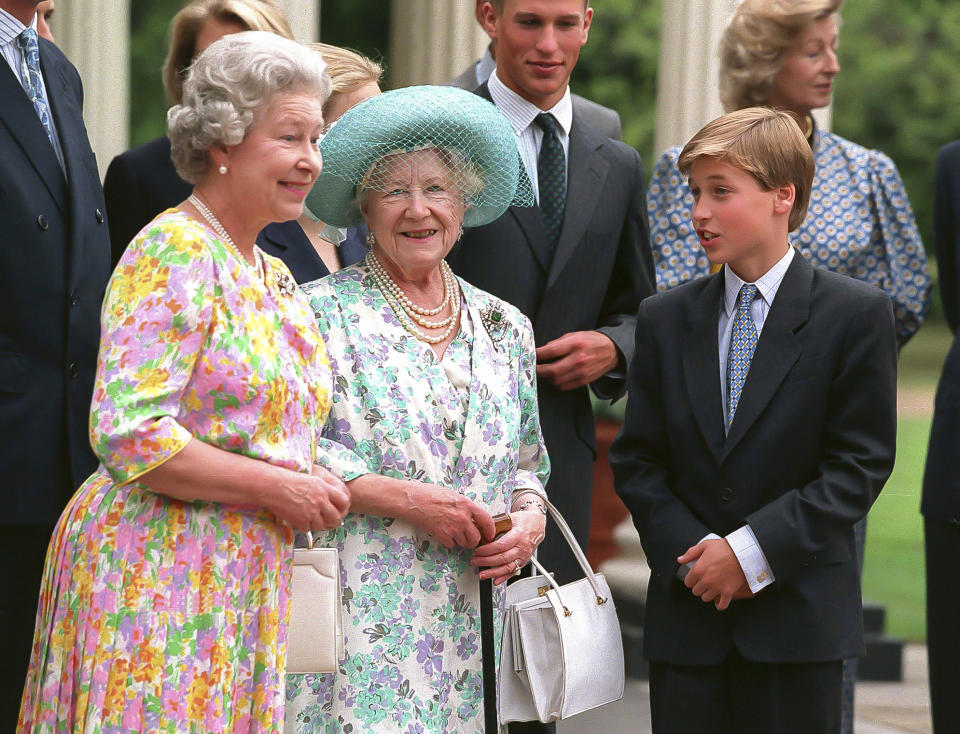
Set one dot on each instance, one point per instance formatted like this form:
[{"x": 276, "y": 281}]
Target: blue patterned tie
[
  {"x": 31, "y": 55},
  {"x": 743, "y": 343},
  {"x": 551, "y": 177}
]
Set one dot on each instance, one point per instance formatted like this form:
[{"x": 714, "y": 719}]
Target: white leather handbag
[
  {"x": 561, "y": 652},
  {"x": 315, "y": 632}
]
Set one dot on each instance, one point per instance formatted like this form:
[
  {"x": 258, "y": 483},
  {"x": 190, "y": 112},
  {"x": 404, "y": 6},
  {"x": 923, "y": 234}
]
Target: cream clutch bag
[{"x": 315, "y": 632}]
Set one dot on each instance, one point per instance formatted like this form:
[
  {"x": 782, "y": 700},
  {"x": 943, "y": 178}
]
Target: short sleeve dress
[
  {"x": 166, "y": 616},
  {"x": 468, "y": 422},
  {"x": 859, "y": 223}
]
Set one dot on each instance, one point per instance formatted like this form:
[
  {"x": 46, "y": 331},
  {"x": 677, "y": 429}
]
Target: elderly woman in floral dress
[
  {"x": 166, "y": 592},
  {"x": 436, "y": 398}
]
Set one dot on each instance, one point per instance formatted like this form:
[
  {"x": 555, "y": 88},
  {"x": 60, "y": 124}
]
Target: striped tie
[
  {"x": 31, "y": 55},
  {"x": 551, "y": 177},
  {"x": 743, "y": 343}
]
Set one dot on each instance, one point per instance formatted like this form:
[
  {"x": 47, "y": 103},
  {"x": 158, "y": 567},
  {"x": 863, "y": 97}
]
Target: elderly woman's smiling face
[{"x": 414, "y": 209}]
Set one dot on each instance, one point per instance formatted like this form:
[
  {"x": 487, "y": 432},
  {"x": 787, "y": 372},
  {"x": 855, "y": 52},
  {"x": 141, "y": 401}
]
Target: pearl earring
[{"x": 223, "y": 169}]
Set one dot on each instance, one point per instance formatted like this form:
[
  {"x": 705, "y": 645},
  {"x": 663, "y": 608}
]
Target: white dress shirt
[
  {"x": 522, "y": 114},
  {"x": 10, "y": 30},
  {"x": 743, "y": 541}
]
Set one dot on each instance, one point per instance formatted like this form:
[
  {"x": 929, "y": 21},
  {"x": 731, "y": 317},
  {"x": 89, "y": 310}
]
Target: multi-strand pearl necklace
[
  {"x": 409, "y": 313},
  {"x": 219, "y": 229}
]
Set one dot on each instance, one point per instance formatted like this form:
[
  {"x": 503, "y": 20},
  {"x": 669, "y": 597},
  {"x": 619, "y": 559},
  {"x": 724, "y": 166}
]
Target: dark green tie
[{"x": 551, "y": 177}]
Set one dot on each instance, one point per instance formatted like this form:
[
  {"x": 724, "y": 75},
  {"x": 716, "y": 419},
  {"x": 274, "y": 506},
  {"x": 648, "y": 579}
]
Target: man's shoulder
[
  {"x": 153, "y": 150},
  {"x": 602, "y": 119},
  {"x": 949, "y": 156},
  {"x": 841, "y": 290},
  {"x": 467, "y": 79}
]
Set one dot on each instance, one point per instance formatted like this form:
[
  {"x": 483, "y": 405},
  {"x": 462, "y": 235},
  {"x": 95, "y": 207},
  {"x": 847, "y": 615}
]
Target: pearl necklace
[
  {"x": 398, "y": 301},
  {"x": 220, "y": 230}
]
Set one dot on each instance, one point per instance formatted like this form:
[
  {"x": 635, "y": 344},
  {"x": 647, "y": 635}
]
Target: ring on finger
[{"x": 517, "y": 566}]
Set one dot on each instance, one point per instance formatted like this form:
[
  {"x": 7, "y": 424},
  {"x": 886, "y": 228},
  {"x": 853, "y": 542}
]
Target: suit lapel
[
  {"x": 777, "y": 351},
  {"x": 701, "y": 363},
  {"x": 585, "y": 176},
  {"x": 20, "y": 119},
  {"x": 528, "y": 218}
]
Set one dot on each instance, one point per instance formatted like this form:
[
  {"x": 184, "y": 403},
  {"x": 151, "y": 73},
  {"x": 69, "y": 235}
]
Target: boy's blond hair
[{"x": 768, "y": 144}]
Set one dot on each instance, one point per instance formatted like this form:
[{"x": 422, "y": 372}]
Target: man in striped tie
[
  {"x": 761, "y": 427},
  {"x": 54, "y": 264}
]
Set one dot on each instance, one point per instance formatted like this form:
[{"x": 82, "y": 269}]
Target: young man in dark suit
[
  {"x": 54, "y": 267},
  {"x": 941, "y": 481},
  {"x": 577, "y": 264},
  {"x": 761, "y": 427}
]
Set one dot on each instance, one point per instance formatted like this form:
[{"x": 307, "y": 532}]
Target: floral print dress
[
  {"x": 165, "y": 616},
  {"x": 467, "y": 422}
]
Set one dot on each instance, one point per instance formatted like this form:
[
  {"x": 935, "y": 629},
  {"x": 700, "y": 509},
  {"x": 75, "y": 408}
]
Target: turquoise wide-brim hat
[{"x": 418, "y": 118}]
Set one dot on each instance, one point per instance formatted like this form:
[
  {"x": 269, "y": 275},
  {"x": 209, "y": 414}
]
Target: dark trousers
[
  {"x": 740, "y": 696},
  {"x": 942, "y": 543},
  {"x": 23, "y": 549}
]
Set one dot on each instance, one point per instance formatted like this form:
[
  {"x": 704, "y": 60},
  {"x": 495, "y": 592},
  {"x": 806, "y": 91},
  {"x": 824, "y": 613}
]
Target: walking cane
[{"x": 487, "y": 650}]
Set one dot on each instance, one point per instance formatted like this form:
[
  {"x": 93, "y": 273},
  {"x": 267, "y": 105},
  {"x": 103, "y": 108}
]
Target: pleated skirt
[{"x": 159, "y": 616}]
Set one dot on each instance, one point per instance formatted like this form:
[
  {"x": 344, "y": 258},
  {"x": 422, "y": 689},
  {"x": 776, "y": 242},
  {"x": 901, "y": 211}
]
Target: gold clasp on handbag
[
  {"x": 567, "y": 612},
  {"x": 601, "y": 600},
  {"x": 542, "y": 590}
]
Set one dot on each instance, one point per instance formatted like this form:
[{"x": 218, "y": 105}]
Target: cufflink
[{"x": 762, "y": 577}]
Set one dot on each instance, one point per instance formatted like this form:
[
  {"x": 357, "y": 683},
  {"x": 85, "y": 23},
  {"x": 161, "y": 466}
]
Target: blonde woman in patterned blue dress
[
  {"x": 434, "y": 420},
  {"x": 783, "y": 53}
]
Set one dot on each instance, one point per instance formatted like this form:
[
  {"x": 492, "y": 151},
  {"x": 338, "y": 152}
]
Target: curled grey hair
[
  {"x": 229, "y": 85},
  {"x": 754, "y": 45},
  {"x": 465, "y": 176}
]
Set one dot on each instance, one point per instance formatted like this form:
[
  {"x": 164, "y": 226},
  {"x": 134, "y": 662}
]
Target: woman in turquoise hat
[{"x": 434, "y": 420}]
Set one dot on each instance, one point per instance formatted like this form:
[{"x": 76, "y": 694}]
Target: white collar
[
  {"x": 521, "y": 113},
  {"x": 10, "y": 27},
  {"x": 767, "y": 284}
]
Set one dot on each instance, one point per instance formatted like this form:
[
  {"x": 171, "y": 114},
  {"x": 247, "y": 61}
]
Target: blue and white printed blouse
[{"x": 859, "y": 223}]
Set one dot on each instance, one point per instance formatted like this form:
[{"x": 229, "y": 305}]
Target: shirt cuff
[
  {"x": 685, "y": 568},
  {"x": 751, "y": 558}
]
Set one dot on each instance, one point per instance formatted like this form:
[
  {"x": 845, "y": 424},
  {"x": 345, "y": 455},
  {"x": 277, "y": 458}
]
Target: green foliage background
[{"x": 899, "y": 89}]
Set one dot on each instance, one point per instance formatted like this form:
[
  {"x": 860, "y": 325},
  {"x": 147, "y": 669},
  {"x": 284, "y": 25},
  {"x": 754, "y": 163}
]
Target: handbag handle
[
  {"x": 577, "y": 552},
  {"x": 309, "y": 540}
]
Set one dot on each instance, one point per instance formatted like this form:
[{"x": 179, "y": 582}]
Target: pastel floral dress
[
  {"x": 859, "y": 223},
  {"x": 165, "y": 616},
  {"x": 468, "y": 422}
]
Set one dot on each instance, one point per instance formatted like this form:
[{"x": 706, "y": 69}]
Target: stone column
[
  {"x": 687, "y": 89},
  {"x": 95, "y": 36},
  {"x": 431, "y": 41},
  {"x": 304, "y": 17}
]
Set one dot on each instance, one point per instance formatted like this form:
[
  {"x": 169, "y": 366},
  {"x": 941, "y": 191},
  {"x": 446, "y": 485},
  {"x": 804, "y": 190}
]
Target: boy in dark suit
[{"x": 760, "y": 428}]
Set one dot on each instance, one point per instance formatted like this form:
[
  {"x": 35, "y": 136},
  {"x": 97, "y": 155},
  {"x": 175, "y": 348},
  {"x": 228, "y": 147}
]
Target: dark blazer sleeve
[
  {"x": 858, "y": 446},
  {"x": 946, "y": 209},
  {"x": 124, "y": 204},
  {"x": 632, "y": 281},
  {"x": 640, "y": 457}
]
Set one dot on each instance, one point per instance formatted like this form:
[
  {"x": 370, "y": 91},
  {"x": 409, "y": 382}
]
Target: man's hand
[
  {"x": 716, "y": 576},
  {"x": 576, "y": 359}
]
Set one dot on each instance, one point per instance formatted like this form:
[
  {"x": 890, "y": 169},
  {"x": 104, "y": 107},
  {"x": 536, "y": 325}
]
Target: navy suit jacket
[
  {"x": 594, "y": 281},
  {"x": 54, "y": 267},
  {"x": 941, "y": 481},
  {"x": 140, "y": 183},
  {"x": 287, "y": 241},
  {"x": 809, "y": 449}
]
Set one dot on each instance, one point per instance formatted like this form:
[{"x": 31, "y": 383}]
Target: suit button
[
  {"x": 73, "y": 370},
  {"x": 73, "y": 298},
  {"x": 726, "y": 494},
  {"x": 99, "y": 216},
  {"x": 42, "y": 223}
]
